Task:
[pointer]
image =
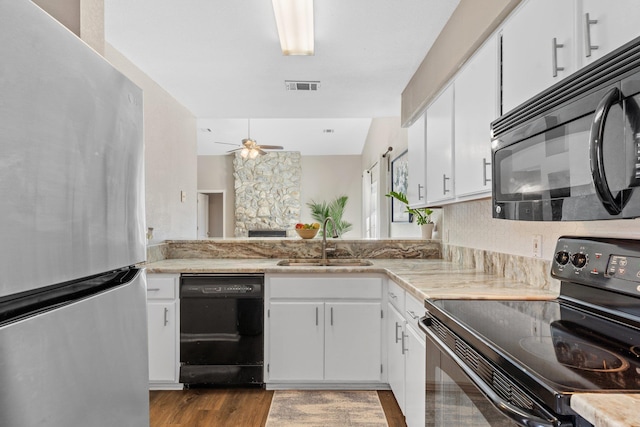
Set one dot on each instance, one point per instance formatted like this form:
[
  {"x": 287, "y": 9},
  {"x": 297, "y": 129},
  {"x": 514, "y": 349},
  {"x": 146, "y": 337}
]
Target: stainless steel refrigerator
[{"x": 73, "y": 325}]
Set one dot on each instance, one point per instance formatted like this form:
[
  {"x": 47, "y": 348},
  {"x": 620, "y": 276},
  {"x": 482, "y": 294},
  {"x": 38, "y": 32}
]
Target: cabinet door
[
  {"x": 476, "y": 106},
  {"x": 161, "y": 317},
  {"x": 439, "y": 147},
  {"x": 415, "y": 360},
  {"x": 617, "y": 24},
  {"x": 395, "y": 358},
  {"x": 416, "y": 146},
  {"x": 528, "y": 53},
  {"x": 296, "y": 332},
  {"x": 353, "y": 332}
]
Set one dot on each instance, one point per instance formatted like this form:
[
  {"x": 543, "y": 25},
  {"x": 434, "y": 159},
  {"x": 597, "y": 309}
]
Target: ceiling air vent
[{"x": 300, "y": 85}]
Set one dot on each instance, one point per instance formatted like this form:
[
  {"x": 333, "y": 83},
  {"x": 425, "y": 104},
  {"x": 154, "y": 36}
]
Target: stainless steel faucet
[{"x": 324, "y": 239}]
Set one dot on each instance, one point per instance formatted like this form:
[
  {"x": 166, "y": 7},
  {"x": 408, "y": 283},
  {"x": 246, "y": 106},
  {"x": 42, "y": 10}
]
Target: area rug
[{"x": 325, "y": 409}]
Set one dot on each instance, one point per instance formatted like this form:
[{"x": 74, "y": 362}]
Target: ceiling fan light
[
  {"x": 244, "y": 153},
  {"x": 253, "y": 153},
  {"x": 294, "y": 19}
]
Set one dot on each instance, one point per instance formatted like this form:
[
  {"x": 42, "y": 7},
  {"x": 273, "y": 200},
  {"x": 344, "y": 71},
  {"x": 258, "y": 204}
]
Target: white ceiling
[{"x": 221, "y": 59}]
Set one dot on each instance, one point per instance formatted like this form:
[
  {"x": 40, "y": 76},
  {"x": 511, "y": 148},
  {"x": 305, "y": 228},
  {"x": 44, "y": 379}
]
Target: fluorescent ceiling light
[{"x": 294, "y": 19}]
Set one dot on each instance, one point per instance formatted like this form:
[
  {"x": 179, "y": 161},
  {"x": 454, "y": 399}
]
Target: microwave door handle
[
  {"x": 613, "y": 206},
  {"x": 518, "y": 415}
]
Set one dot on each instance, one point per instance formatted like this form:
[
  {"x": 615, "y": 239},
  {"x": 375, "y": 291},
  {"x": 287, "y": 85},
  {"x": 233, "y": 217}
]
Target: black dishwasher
[{"x": 221, "y": 330}]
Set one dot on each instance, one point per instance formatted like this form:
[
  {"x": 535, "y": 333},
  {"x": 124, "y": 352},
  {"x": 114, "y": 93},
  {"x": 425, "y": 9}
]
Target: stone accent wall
[{"x": 267, "y": 191}]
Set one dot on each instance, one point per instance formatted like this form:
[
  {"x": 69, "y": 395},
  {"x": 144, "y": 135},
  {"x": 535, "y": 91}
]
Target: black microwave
[{"x": 572, "y": 152}]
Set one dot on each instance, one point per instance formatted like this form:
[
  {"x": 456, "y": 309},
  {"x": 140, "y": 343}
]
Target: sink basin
[{"x": 330, "y": 263}]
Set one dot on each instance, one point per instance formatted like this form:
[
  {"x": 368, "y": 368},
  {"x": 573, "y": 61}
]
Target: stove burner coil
[{"x": 588, "y": 357}]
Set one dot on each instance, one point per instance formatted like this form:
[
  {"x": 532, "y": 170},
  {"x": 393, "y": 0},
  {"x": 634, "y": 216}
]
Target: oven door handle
[
  {"x": 518, "y": 415},
  {"x": 613, "y": 204}
]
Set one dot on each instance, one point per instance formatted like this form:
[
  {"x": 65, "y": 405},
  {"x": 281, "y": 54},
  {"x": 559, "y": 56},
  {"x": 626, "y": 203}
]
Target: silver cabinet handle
[
  {"x": 316, "y": 316},
  {"x": 588, "y": 47},
  {"x": 445, "y": 178},
  {"x": 153, "y": 289},
  {"x": 412, "y": 314},
  {"x": 398, "y": 325},
  {"x": 331, "y": 316},
  {"x": 420, "y": 196},
  {"x": 484, "y": 171},
  {"x": 392, "y": 295},
  {"x": 404, "y": 350},
  {"x": 554, "y": 56},
  {"x": 166, "y": 314}
]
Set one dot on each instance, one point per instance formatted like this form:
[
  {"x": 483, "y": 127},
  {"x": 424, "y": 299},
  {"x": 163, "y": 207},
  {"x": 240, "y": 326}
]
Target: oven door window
[{"x": 453, "y": 400}]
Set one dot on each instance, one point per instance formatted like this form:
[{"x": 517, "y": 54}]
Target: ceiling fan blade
[
  {"x": 225, "y": 143},
  {"x": 271, "y": 147},
  {"x": 262, "y": 153},
  {"x": 231, "y": 151}
]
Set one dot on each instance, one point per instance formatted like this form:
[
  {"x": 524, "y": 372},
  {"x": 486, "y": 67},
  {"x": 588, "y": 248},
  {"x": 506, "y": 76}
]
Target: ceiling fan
[{"x": 250, "y": 148}]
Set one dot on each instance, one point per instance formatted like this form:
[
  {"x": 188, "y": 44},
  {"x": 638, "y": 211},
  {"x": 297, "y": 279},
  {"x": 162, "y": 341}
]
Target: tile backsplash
[{"x": 471, "y": 225}]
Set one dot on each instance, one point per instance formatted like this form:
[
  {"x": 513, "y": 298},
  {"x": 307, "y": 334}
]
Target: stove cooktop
[
  {"x": 562, "y": 347},
  {"x": 587, "y": 340}
]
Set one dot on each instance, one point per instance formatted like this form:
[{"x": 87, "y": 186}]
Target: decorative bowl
[{"x": 309, "y": 233}]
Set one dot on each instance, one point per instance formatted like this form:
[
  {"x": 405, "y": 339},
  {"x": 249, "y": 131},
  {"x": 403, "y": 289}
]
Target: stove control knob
[
  {"x": 562, "y": 257},
  {"x": 579, "y": 260}
]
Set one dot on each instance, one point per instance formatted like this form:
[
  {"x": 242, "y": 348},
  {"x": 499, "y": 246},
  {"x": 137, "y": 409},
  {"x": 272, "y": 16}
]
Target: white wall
[
  {"x": 326, "y": 177},
  {"x": 170, "y": 156},
  {"x": 384, "y": 133},
  {"x": 216, "y": 173}
]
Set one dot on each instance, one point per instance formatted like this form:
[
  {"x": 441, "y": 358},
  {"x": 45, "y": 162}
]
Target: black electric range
[{"x": 587, "y": 340}]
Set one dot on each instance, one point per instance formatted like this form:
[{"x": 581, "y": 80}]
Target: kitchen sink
[{"x": 336, "y": 262}]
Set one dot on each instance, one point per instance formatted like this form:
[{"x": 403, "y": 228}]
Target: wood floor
[{"x": 230, "y": 407}]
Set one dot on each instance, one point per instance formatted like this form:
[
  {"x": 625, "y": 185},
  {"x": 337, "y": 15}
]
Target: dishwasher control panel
[{"x": 220, "y": 286}]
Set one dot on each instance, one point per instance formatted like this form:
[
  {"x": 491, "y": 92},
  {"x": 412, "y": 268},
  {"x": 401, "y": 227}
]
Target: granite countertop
[
  {"x": 423, "y": 278},
  {"x": 430, "y": 278}
]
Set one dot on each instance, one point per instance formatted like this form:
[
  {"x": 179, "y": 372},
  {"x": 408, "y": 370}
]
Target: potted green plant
[
  {"x": 422, "y": 216},
  {"x": 334, "y": 209}
]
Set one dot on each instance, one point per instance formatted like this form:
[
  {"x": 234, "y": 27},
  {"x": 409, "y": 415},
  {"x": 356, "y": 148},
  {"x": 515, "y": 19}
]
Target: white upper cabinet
[
  {"x": 604, "y": 26},
  {"x": 440, "y": 148},
  {"x": 538, "y": 49},
  {"x": 416, "y": 185},
  {"x": 476, "y": 106}
]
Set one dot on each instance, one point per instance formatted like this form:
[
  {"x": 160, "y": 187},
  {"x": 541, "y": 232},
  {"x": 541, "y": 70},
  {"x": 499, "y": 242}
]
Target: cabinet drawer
[
  {"x": 414, "y": 310},
  {"x": 326, "y": 287},
  {"x": 396, "y": 296},
  {"x": 161, "y": 286}
]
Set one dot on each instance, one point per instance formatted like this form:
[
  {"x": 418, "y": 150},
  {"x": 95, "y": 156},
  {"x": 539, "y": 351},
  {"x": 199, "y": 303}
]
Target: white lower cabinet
[
  {"x": 395, "y": 358},
  {"x": 323, "y": 330},
  {"x": 406, "y": 358},
  {"x": 352, "y": 341},
  {"x": 163, "y": 330},
  {"x": 296, "y": 341},
  {"x": 415, "y": 359}
]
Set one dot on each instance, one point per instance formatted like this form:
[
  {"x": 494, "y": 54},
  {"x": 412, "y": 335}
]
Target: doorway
[{"x": 211, "y": 218}]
